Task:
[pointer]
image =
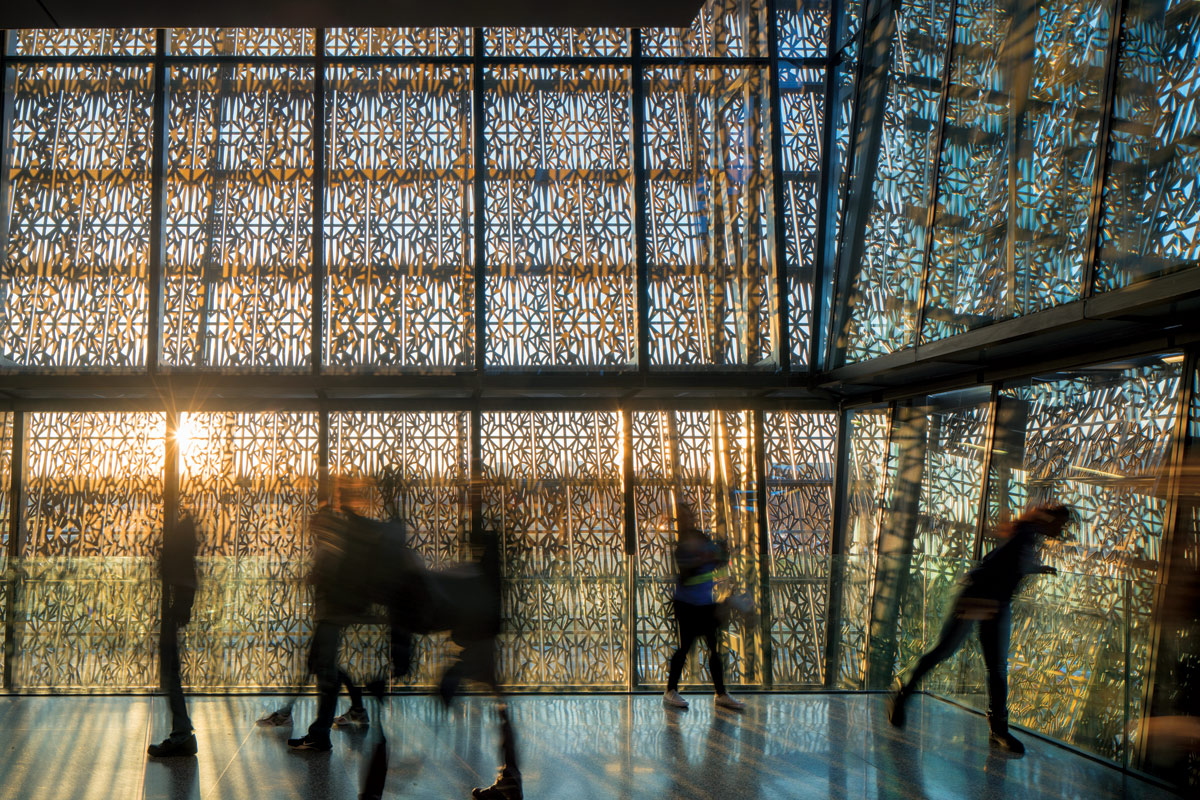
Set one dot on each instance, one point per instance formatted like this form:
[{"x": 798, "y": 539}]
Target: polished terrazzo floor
[{"x": 572, "y": 747}]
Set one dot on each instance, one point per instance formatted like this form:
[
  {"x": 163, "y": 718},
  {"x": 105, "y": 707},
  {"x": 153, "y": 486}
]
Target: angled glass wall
[{"x": 1015, "y": 158}]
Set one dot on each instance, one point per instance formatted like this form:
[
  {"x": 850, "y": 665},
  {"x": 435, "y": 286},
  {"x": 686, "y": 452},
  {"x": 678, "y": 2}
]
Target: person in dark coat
[
  {"x": 697, "y": 559},
  {"x": 177, "y": 569},
  {"x": 986, "y": 599}
]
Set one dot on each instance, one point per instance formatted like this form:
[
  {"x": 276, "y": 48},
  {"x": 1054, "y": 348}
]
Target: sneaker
[
  {"x": 506, "y": 787},
  {"x": 671, "y": 699},
  {"x": 276, "y": 719},
  {"x": 355, "y": 716},
  {"x": 171, "y": 747},
  {"x": 895, "y": 708},
  {"x": 1007, "y": 742},
  {"x": 309, "y": 743},
  {"x": 732, "y": 703}
]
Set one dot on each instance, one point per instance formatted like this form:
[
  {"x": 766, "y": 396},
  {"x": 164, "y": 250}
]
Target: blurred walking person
[
  {"x": 177, "y": 569},
  {"x": 986, "y": 599},
  {"x": 697, "y": 559}
]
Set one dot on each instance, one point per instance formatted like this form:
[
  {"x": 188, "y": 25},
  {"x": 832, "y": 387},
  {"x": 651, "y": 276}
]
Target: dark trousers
[
  {"x": 695, "y": 622},
  {"x": 993, "y": 638},
  {"x": 323, "y": 661},
  {"x": 177, "y": 607}
]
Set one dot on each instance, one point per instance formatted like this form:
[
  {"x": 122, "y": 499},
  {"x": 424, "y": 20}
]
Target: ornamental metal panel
[
  {"x": 238, "y": 222},
  {"x": 73, "y": 288},
  {"x": 399, "y": 217}
]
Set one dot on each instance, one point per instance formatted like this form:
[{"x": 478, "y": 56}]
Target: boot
[
  {"x": 1000, "y": 738},
  {"x": 506, "y": 787}
]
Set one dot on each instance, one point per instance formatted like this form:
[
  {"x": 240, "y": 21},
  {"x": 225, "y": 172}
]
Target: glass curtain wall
[
  {"x": 1098, "y": 438},
  {"x": 417, "y": 200},
  {"x": 1026, "y": 156}
]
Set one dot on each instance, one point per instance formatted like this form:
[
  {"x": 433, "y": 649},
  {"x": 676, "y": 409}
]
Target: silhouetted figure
[
  {"x": 697, "y": 559},
  {"x": 355, "y": 715},
  {"x": 177, "y": 569},
  {"x": 338, "y": 602},
  {"x": 986, "y": 598}
]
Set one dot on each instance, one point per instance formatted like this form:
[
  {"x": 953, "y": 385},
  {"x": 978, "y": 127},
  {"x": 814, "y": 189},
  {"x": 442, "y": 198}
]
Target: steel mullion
[
  {"x": 632, "y": 678},
  {"x": 939, "y": 146},
  {"x": 158, "y": 202},
  {"x": 480, "y": 186},
  {"x": 837, "y": 552},
  {"x": 784, "y": 339},
  {"x": 317, "y": 322},
  {"x": 839, "y": 300},
  {"x": 15, "y": 541},
  {"x": 1107, "y": 112},
  {"x": 986, "y": 487},
  {"x": 824, "y": 248},
  {"x": 764, "y": 548},
  {"x": 641, "y": 217}
]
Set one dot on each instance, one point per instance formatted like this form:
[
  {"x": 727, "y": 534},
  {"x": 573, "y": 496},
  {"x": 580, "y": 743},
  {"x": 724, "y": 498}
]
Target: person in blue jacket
[
  {"x": 986, "y": 599},
  {"x": 697, "y": 559}
]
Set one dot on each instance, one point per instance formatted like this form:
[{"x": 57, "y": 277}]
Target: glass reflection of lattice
[
  {"x": 703, "y": 459},
  {"x": 1151, "y": 200},
  {"x": 561, "y": 283},
  {"x": 398, "y": 217},
  {"x": 238, "y": 216},
  {"x": 1058, "y": 151},
  {"x": 552, "y": 486},
  {"x": 551, "y": 42},
  {"x": 250, "y": 42},
  {"x": 721, "y": 29},
  {"x": 866, "y": 437},
  {"x": 83, "y": 41},
  {"x": 93, "y": 484},
  {"x": 968, "y": 281},
  {"x": 952, "y": 477},
  {"x": 883, "y": 302},
  {"x": 799, "y": 461},
  {"x": 1095, "y": 439},
  {"x": 801, "y": 99},
  {"x": 398, "y": 41},
  {"x": 86, "y": 624},
  {"x": 712, "y": 285},
  {"x": 73, "y": 280},
  {"x": 416, "y": 468}
]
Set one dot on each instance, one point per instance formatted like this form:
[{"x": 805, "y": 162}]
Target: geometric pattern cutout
[
  {"x": 398, "y": 217},
  {"x": 801, "y": 112},
  {"x": 238, "y": 211},
  {"x": 720, "y": 29},
  {"x": 799, "y": 461},
  {"x": 552, "y": 486},
  {"x": 398, "y": 41},
  {"x": 705, "y": 460},
  {"x": 711, "y": 262},
  {"x": 1151, "y": 221},
  {"x": 559, "y": 218},
  {"x": 883, "y": 301},
  {"x": 73, "y": 289},
  {"x": 51, "y": 42},
  {"x": 87, "y": 596},
  {"x": 250, "y": 42},
  {"x": 556, "y": 42}
]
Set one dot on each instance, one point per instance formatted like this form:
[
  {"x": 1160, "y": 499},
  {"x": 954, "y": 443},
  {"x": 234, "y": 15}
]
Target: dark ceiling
[{"x": 332, "y": 13}]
